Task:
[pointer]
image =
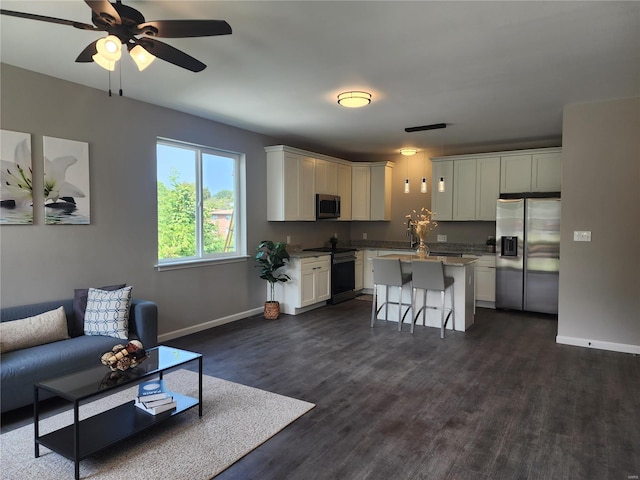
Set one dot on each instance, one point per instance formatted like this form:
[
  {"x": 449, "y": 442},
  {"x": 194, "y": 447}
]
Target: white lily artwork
[
  {"x": 66, "y": 181},
  {"x": 16, "y": 189}
]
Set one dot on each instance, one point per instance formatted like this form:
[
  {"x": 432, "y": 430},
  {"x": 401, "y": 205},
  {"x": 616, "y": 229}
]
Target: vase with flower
[{"x": 422, "y": 223}]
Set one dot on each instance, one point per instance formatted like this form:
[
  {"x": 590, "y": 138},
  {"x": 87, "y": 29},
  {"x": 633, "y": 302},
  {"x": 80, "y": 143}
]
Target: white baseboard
[
  {"x": 599, "y": 344},
  {"x": 210, "y": 324}
]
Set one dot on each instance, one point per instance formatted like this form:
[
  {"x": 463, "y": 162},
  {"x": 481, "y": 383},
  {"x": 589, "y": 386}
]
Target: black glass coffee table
[{"x": 88, "y": 436}]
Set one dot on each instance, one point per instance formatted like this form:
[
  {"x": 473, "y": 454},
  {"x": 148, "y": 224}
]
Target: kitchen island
[{"x": 463, "y": 272}]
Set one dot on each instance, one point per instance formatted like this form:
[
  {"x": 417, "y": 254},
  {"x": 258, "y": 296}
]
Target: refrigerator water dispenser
[{"x": 509, "y": 246}]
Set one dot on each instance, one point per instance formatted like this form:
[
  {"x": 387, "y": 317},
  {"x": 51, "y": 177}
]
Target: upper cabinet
[
  {"x": 487, "y": 187},
  {"x": 344, "y": 190},
  {"x": 326, "y": 177},
  {"x": 546, "y": 172},
  {"x": 381, "y": 178},
  {"x": 294, "y": 177},
  {"x": 442, "y": 201},
  {"x": 473, "y": 183},
  {"x": 531, "y": 171},
  {"x": 371, "y": 191},
  {"x": 290, "y": 185}
]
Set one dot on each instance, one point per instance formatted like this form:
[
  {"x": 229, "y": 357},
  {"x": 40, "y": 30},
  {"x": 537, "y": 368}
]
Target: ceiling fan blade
[
  {"x": 42, "y": 18},
  {"x": 433, "y": 126},
  {"x": 184, "y": 28},
  {"x": 171, "y": 54},
  {"x": 87, "y": 54},
  {"x": 105, "y": 11}
]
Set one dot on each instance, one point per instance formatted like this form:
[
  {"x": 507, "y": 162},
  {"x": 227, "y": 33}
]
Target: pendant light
[
  {"x": 441, "y": 186},
  {"x": 407, "y": 152},
  {"x": 423, "y": 183}
]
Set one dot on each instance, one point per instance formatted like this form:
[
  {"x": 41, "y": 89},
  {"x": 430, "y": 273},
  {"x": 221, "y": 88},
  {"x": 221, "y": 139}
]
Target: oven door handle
[{"x": 344, "y": 260}]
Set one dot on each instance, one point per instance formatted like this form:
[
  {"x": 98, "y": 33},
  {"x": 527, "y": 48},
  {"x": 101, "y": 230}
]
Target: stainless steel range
[{"x": 343, "y": 272}]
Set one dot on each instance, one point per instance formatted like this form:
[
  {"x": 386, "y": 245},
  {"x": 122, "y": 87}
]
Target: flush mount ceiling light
[
  {"x": 354, "y": 99},
  {"x": 408, "y": 151}
]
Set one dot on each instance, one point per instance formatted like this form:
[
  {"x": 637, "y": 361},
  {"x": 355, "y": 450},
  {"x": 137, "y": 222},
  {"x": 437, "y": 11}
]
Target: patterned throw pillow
[{"x": 107, "y": 312}]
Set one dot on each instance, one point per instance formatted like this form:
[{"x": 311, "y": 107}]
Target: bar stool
[
  {"x": 429, "y": 275},
  {"x": 387, "y": 272}
]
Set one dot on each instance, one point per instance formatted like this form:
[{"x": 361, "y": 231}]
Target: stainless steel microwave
[{"x": 327, "y": 206}]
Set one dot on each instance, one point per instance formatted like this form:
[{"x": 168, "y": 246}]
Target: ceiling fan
[{"x": 126, "y": 26}]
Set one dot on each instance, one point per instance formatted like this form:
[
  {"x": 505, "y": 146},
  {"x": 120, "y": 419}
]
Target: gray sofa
[{"x": 20, "y": 369}]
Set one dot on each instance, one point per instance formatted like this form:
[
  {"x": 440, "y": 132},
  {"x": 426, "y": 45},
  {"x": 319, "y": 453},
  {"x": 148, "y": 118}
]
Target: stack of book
[{"x": 154, "y": 398}]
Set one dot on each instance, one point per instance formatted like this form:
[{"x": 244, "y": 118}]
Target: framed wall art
[
  {"x": 66, "y": 182},
  {"x": 16, "y": 189}
]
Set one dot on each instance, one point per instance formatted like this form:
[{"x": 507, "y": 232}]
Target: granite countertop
[
  {"x": 307, "y": 254},
  {"x": 478, "y": 249},
  {"x": 452, "y": 261}
]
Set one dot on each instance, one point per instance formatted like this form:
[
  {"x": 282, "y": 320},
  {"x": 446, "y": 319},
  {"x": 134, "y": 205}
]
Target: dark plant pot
[
  {"x": 271, "y": 310},
  {"x": 491, "y": 248}
]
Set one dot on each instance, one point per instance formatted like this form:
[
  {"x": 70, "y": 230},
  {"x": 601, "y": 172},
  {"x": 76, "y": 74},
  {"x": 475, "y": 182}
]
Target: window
[{"x": 200, "y": 203}]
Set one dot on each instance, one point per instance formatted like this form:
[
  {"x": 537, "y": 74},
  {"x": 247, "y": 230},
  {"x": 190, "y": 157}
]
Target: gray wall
[
  {"x": 599, "y": 286},
  {"x": 46, "y": 262}
]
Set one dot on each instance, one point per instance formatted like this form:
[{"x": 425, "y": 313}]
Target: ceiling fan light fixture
[
  {"x": 354, "y": 99},
  {"x": 141, "y": 57},
  {"x": 109, "y": 51},
  {"x": 110, "y": 48},
  {"x": 408, "y": 151}
]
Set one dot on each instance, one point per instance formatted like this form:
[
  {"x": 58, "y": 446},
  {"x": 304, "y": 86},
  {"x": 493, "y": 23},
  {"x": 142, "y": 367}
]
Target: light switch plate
[
  {"x": 442, "y": 238},
  {"x": 288, "y": 238},
  {"x": 364, "y": 236},
  {"x": 581, "y": 236}
]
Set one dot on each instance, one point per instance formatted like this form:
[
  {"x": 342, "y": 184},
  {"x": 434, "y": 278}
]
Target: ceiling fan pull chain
[
  {"x": 109, "y": 73},
  {"x": 120, "y": 72}
]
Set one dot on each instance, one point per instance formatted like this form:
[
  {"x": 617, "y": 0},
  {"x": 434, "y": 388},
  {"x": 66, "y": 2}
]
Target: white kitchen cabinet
[
  {"x": 485, "y": 278},
  {"x": 442, "y": 202},
  {"x": 290, "y": 185},
  {"x": 360, "y": 192},
  {"x": 371, "y": 185},
  {"x": 344, "y": 190},
  {"x": 381, "y": 183},
  {"x": 464, "y": 189},
  {"x": 515, "y": 173},
  {"x": 546, "y": 174},
  {"x": 487, "y": 187},
  {"x": 359, "y": 273},
  {"x": 531, "y": 171},
  {"x": 309, "y": 287},
  {"x": 368, "y": 270},
  {"x": 326, "y": 177}
]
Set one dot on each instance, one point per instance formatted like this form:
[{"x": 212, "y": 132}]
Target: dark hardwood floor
[{"x": 500, "y": 401}]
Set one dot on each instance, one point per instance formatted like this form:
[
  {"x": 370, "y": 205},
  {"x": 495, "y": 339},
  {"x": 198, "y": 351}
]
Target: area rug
[{"x": 236, "y": 419}]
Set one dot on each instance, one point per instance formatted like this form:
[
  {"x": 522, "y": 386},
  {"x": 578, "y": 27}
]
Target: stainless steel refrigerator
[{"x": 528, "y": 254}]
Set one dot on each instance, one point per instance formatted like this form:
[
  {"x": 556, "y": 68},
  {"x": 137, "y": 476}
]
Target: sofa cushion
[
  {"x": 76, "y": 325},
  {"x": 107, "y": 312},
  {"x": 44, "y": 328}
]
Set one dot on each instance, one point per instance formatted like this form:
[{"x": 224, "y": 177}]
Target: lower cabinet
[
  {"x": 485, "y": 289},
  {"x": 359, "y": 274},
  {"x": 309, "y": 287}
]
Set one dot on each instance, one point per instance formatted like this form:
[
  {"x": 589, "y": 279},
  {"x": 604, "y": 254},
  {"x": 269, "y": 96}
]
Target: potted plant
[
  {"x": 271, "y": 257},
  {"x": 491, "y": 244}
]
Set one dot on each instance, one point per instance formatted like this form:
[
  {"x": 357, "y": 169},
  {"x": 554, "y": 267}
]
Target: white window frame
[{"x": 202, "y": 259}]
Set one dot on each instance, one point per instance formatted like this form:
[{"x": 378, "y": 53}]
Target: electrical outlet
[
  {"x": 442, "y": 238},
  {"x": 288, "y": 238},
  {"x": 364, "y": 236},
  {"x": 581, "y": 236}
]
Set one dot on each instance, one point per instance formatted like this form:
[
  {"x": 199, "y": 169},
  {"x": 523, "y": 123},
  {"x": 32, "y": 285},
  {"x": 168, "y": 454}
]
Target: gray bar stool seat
[
  {"x": 429, "y": 275},
  {"x": 387, "y": 272}
]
